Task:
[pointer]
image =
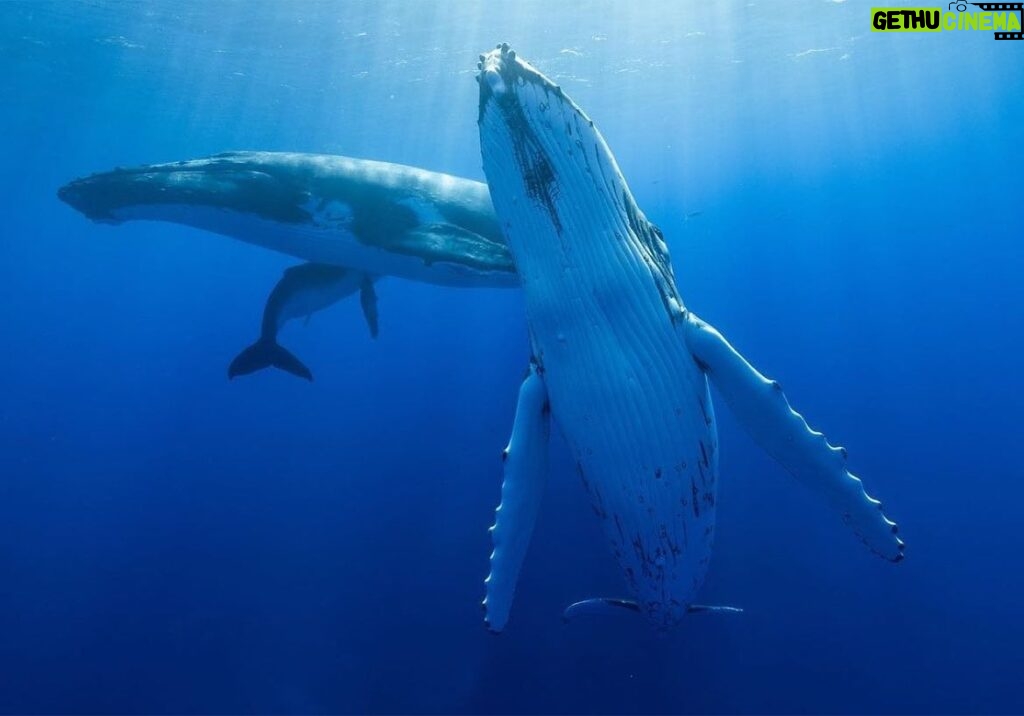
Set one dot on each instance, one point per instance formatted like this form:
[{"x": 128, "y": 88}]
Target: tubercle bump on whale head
[
  {"x": 501, "y": 72},
  {"x": 495, "y": 66},
  {"x": 496, "y": 72}
]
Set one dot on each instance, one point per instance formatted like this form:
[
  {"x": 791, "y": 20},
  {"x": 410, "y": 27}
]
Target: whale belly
[
  {"x": 636, "y": 412},
  {"x": 330, "y": 245}
]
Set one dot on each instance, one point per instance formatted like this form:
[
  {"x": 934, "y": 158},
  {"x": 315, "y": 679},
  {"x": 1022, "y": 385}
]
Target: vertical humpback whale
[{"x": 621, "y": 365}]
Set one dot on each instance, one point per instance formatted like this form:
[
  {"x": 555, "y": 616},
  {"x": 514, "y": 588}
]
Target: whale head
[
  {"x": 555, "y": 184},
  {"x": 523, "y": 152},
  {"x": 230, "y": 182}
]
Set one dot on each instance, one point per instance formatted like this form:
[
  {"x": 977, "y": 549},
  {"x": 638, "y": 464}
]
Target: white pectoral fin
[
  {"x": 761, "y": 407},
  {"x": 526, "y": 463}
]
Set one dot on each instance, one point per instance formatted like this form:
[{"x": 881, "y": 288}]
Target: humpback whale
[
  {"x": 302, "y": 291},
  {"x": 351, "y": 219},
  {"x": 622, "y": 366},
  {"x": 375, "y": 217}
]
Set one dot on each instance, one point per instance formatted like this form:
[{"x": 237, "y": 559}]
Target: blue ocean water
[{"x": 842, "y": 204}]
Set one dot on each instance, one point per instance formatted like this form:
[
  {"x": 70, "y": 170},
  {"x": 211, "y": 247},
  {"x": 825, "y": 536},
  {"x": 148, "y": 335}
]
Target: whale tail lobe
[
  {"x": 264, "y": 353},
  {"x": 603, "y": 606}
]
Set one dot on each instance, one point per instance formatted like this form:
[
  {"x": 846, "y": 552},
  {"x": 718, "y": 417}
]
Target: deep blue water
[{"x": 173, "y": 542}]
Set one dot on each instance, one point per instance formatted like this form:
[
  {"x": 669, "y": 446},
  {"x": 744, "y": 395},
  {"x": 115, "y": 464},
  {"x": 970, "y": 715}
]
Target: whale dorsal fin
[
  {"x": 526, "y": 466},
  {"x": 762, "y": 408}
]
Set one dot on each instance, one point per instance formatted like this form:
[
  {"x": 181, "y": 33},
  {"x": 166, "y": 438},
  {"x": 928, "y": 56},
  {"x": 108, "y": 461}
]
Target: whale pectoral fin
[
  {"x": 368, "y": 300},
  {"x": 526, "y": 466},
  {"x": 448, "y": 243},
  {"x": 762, "y": 408}
]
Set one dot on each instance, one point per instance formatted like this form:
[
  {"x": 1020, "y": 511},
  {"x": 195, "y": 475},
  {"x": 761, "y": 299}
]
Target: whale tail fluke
[
  {"x": 603, "y": 606},
  {"x": 600, "y": 606},
  {"x": 264, "y": 353}
]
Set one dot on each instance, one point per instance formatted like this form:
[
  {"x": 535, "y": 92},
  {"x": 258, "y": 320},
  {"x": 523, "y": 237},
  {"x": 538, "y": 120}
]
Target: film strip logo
[{"x": 996, "y": 7}]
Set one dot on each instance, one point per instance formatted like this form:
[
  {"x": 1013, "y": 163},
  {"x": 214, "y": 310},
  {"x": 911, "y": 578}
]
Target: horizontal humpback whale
[
  {"x": 380, "y": 218},
  {"x": 351, "y": 219},
  {"x": 621, "y": 365}
]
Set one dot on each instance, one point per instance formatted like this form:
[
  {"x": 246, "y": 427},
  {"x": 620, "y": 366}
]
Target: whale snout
[
  {"x": 497, "y": 71},
  {"x": 494, "y": 66},
  {"x": 90, "y": 198},
  {"x": 514, "y": 83}
]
